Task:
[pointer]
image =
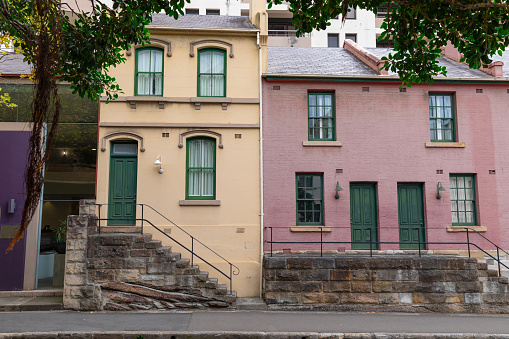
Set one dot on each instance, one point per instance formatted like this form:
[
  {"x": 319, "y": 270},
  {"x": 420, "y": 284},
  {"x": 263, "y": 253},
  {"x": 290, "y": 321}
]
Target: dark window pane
[{"x": 333, "y": 40}]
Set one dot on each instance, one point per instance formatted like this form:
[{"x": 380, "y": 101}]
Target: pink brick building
[{"x": 330, "y": 119}]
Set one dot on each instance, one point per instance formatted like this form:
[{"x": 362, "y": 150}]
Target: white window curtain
[
  {"x": 212, "y": 74},
  {"x": 150, "y": 72},
  {"x": 201, "y": 168}
]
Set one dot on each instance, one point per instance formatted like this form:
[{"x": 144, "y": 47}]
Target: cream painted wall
[
  {"x": 181, "y": 70},
  {"x": 232, "y": 229}
]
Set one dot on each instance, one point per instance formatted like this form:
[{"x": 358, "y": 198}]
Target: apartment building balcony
[{"x": 287, "y": 38}]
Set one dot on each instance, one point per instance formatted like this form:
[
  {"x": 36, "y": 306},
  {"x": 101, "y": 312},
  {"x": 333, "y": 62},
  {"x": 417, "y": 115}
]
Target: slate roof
[
  {"x": 314, "y": 61},
  {"x": 340, "y": 62},
  {"x": 202, "y": 21},
  {"x": 454, "y": 69},
  {"x": 13, "y": 64}
]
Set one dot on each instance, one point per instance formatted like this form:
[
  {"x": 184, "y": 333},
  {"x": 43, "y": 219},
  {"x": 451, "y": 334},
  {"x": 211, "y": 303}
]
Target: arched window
[
  {"x": 149, "y": 71},
  {"x": 201, "y": 168},
  {"x": 211, "y": 73}
]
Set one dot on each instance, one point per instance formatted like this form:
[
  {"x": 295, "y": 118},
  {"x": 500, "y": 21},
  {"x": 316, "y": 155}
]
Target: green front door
[
  {"x": 411, "y": 215},
  {"x": 122, "y": 189},
  {"x": 363, "y": 216}
]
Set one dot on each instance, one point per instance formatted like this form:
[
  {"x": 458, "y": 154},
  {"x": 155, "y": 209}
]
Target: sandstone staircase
[
  {"x": 125, "y": 270},
  {"x": 146, "y": 275}
]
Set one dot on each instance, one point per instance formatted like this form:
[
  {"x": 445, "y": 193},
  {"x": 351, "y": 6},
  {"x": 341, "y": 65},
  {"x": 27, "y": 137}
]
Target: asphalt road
[{"x": 263, "y": 321}]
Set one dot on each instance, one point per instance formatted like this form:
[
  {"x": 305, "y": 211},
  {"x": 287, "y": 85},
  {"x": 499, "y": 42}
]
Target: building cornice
[{"x": 373, "y": 78}]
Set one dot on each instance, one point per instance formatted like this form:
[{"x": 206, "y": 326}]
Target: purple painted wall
[
  {"x": 13, "y": 155},
  {"x": 383, "y": 134}
]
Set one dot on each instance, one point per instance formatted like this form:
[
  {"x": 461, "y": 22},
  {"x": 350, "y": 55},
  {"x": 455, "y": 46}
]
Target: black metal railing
[
  {"x": 375, "y": 244},
  {"x": 234, "y": 270}
]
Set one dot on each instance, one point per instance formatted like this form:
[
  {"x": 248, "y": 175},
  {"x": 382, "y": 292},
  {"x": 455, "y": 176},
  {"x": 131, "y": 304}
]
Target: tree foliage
[
  {"x": 418, "y": 28},
  {"x": 78, "y": 45}
]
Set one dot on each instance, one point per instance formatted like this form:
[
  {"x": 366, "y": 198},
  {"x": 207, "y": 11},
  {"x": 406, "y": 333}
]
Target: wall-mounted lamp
[
  {"x": 159, "y": 163},
  {"x": 338, "y": 188},
  {"x": 439, "y": 188}
]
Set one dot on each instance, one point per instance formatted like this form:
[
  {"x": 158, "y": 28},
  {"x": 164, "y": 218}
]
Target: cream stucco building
[{"x": 184, "y": 139}]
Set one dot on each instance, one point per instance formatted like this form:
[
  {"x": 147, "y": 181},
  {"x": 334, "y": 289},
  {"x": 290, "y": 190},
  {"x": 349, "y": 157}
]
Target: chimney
[
  {"x": 495, "y": 68},
  {"x": 367, "y": 58},
  {"x": 258, "y": 17}
]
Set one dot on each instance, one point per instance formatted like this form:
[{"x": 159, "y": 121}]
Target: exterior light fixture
[
  {"x": 439, "y": 188},
  {"x": 159, "y": 163},
  {"x": 338, "y": 188}
]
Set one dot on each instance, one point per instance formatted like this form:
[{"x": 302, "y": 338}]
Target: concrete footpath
[{"x": 249, "y": 324}]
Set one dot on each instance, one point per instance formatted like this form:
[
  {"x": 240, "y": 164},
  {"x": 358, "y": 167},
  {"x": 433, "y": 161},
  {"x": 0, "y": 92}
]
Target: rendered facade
[{"x": 192, "y": 107}]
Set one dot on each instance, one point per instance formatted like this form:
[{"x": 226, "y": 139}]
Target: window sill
[
  {"x": 462, "y": 228},
  {"x": 197, "y": 101},
  {"x": 325, "y": 143},
  {"x": 310, "y": 228},
  {"x": 200, "y": 202},
  {"x": 433, "y": 144}
]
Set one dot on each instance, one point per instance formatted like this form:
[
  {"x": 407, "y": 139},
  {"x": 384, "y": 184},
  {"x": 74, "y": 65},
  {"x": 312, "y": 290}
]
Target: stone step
[
  {"x": 164, "y": 251},
  {"x": 121, "y": 229},
  {"x": 153, "y": 244},
  {"x": 183, "y": 263},
  {"x": 251, "y": 304},
  {"x": 211, "y": 283},
  {"x": 482, "y": 266},
  {"x": 32, "y": 293},
  {"x": 190, "y": 270},
  {"x": 38, "y": 303},
  {"x": 222, "y": 289},
  {"x": 204, "y": 275}
]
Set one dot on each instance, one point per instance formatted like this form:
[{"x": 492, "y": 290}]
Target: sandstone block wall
[
  {"x": 397, "y": 283},
  {"x": 129, "y": 271}
]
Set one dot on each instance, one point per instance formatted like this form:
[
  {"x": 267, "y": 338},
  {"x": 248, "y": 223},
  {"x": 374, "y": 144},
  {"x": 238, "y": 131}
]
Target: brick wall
[{"x": 383, "y": 134}]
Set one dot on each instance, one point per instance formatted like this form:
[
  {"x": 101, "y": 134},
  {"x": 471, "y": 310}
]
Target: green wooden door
[
  {"x": 363, "y": 215},
  {"x": 411, "y": 215},
  {"x": 122, "y": 187}
]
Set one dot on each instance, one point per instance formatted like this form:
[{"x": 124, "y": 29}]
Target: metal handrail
[
  {"x": 286, "y": 32},
  {"x": 234, "y": 270},
  {"x": 378, "y": 242}
]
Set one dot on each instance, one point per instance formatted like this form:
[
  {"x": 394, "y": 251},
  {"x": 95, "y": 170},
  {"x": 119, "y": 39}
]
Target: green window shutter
[
  {"x": 211, "y": 73},
  {"x": 201, "y": 169},
  {"x": 441, "y": 117},
  {"x": 309, "y": 193},
  {"x": 463, "y": 206},
  {"x": 321, "y": 114},
  {"x": 149, "y": 72}
]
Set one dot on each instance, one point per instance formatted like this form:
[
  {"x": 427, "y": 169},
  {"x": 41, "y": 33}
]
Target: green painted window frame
[
  {"x": 331, "y": 119},
  {"x": 213, "y": 168},
  {"x": 302, "y": 208},
  {"x": 434, "y": 119},
  {"x": 211, "y": 50},
  {"x": 158, "y": 50},
  {"x": 123, "y": 155},
  {"x": 457, "y": 201}
]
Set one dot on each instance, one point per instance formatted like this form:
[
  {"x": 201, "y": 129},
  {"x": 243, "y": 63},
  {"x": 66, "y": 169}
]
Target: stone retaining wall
[
  {"x": 121, "y": 271},
  {"x": 388, "y": 283}
]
